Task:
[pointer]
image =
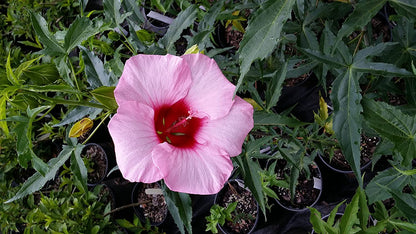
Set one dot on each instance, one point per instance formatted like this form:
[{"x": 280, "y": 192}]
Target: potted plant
[
  {"x": 300, "y": 179},
  {"x": 235, "y": 209},
  {"x": 96, "y": 162},
  {"x": 150, "y": 203}
]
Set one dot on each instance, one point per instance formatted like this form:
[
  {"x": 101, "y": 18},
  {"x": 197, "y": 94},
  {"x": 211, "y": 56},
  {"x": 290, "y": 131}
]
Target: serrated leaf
[
  {"x": 406, "y": 203},
  {"x": 323, "y": 58},
  {"x": 78, "y": 113},
  {"x": 9, "y": 72},
  {"x": 36, "y": 181},
  {"x": 96, "y": 74},
  {"x": 316, "y": 220},
  {"x": 384, "y": 69},
  {"x": 209, "y": 18},
  {"x": 363, "y": 12},
  {"x": 112, "y": 12},
  {"x": 262, "y": 33},
  {"x": 403, "y": 225},
  {"x": 105, "y": 95},
  {"x": 180, "y": 207},
  {"x": 390, "y": 178},
  {"x": 3, "y": 123},
  {"x": 391, "y": 123},
  {"x": 273, "y": 93},
  {"x": 404, "y": 7},
  {"x": 182, "y": 21},
  {"x": 137, "y": 15},
  {"x": 350, "y": 215},
  {"x": 42, "y": 74},
  {"x": 272, "y": 119},
  {"x": 347, "y": 120},
  {"x": 78, "y": 168},
  {"x": 45, "y": 37},
  {"x": 364, "y": 212},
  {"x": 372, "y": 51},
  {"x": 80, "y": 30},
  {"x": 64, "y": 70},
  {"x": 252, "y": 178}
]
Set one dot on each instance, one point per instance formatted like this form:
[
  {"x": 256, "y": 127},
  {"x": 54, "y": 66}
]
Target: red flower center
[{"x": 175, "y": 125}]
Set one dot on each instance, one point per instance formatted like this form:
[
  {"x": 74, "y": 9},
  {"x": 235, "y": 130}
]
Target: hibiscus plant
[{"x": 191, "y": 93}]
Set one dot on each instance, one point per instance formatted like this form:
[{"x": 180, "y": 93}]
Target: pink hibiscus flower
[{"x": 177, "y": 121}]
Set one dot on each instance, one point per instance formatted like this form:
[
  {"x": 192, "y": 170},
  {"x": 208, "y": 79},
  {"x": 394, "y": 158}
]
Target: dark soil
[
  {"x": 244, "y": 216},
  {"x": 96, "y": 163},
  {"x": 306, "y": 192},
  {"x": 380, "y": 28},
  {"x": 233, "y": 37},
  {"x": 368, "y": 146},
  {"x": 152, "y": 206}
]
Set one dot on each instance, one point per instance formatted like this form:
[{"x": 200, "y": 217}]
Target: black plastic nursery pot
[
  {"x": 308, "y": 190},
  {"x": 247, "y": 207},
  {"x": 303, "y": 98},
  {"x": 368, "y": 145},
  {"x": 95, "y": 155},
  {"x": 151, "y": 203}
]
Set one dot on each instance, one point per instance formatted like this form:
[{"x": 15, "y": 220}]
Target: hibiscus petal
[
  {"x": 134, "y": 136},
  {"x": 200, "y": 170},
  {"x": 154, "y": 80},
  {"x": 211, "y": 94},
  {"x": 228, "y": 133}
]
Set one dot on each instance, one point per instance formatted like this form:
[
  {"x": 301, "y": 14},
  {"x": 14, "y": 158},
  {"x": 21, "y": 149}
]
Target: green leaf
[
  {"x": 384, "y": 69},
  {"x": 42, "y": 74},
  {"x": 347, "y": 120},
  {"x": 404, "y": 7},
  {"x": 9, "y": 72},
  {"x": 363, "y": 12},
  {"x": 3, "y": 123},
  {"x": 208, "y": 21},
  {"x": 403, "y": 225},
  {"x": 333, "y": 214},
  {"x": 262, "y": 33},
  {"x": 276, "y": 87},
  {"x": 372, "y": 51},
  {"x": 23, "y": 130},
  {"x": 105, "y": 95},
  {"x": 316, "y": 220},
  {"x": 390, "y": 178},
  {"x": 112, "y": 12},
  {"x": 78, "y": 113},
  {"x": 350, "y": 215},
  {"x": 323, "y": 58},
  {"x": 262, "y": 118},
  {"x": 180, "y": 207},
  {"x": 64, "y": 70},
  {"x": 252, "y": 178},
  {"x": 406, "y": 203},
  {"x": 80, "y": 30},
  {"x": 36, "y": 181},
  {"x": 96, "y": 74},
  {"x": 391, "y": 123},
  {"x": 137, "y": 15},
  {"x": 45, "y": 37},
  {"x": 79, "y": 169},
  {"x": 182, "y": 21},
  {"x": 364, "y": 212}
]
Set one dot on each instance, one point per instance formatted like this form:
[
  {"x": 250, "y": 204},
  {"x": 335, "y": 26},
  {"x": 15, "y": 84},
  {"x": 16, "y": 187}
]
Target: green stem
[
  {"x": 75, "y": 78},
  {"x": 96, "y": 128},
  {"x": 127, "y": 43},
  {"x": 47, "y": 112}
]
